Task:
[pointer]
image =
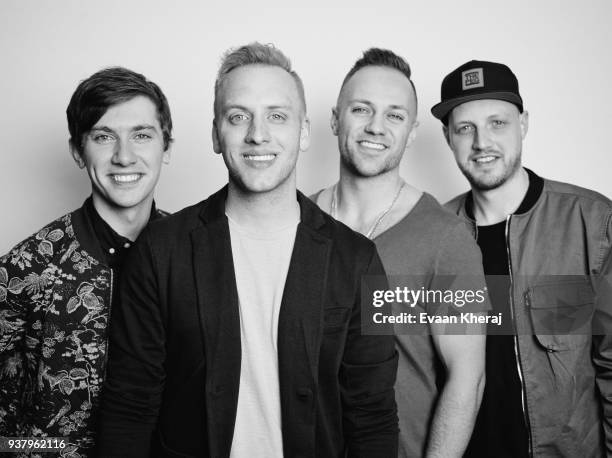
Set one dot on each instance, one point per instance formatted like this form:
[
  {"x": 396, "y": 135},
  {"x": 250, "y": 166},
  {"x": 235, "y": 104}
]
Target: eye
[
  {"x": 465, "y": 129},
  {"x": 359, "y": 110},
  {"x": 396, "y": 116},
  {"x": 498, "y": 123},
  {"x": 278, "y": 117},
  {"x": 238, "y": 118},
  {"x": 103, "y": 138},
  {"x": 142, "y": 136}
]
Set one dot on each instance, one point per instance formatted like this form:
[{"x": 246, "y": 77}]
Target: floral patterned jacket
[{"x": 55, "y": 303}]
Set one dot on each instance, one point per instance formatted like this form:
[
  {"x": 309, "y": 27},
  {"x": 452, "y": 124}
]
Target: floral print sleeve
[
  {"x": 12, "y": 342},
  {"x": 54, "y": 308},
  {"x": 55, "y": 302}
]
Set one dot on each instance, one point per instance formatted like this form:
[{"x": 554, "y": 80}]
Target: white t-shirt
[{"x": 261, "y": 262}]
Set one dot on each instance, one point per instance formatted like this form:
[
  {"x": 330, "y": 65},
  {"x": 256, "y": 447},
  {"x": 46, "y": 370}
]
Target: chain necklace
[{"x": 370, "y": 233}]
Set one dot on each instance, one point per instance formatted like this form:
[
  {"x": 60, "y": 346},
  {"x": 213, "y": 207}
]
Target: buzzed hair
[
  {"x": 255, "y": 54},
  {"x": 378, "y": 57}
]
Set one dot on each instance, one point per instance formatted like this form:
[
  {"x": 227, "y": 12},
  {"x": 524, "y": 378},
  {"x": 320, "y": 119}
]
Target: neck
[
  {"x": 494, "y": 205},
  {"x": 266, "y": 211},
  {"x": 371, "y": 205},
  {"x": 365, "y": 197},
  {"x": 127, "y": 222}
]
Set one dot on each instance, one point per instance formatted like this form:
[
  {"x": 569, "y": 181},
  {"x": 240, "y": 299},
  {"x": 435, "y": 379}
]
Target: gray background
[{"x": 560, "y": 51}]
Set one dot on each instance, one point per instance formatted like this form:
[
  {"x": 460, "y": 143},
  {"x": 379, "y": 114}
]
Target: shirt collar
[
  {"x": 536, "y": 185},
  {"x": 110, "y": 241}
]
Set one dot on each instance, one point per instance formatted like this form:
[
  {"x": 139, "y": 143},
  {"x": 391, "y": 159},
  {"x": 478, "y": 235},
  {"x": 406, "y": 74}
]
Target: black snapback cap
[{"x": 476, "y": 80}]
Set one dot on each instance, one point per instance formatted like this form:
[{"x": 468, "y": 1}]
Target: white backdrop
[{"x": 559, "y": 49}]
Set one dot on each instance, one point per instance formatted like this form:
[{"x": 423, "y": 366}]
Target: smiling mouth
[
  {"x": 484, "y": 159},
  {"x": 372, "y": 145},
  {"x": 125, "y": 178},
  {"x": 259, "y": 157}
]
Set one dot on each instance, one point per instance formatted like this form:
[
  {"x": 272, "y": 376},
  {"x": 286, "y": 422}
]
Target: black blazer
[{"x": 174, "y": 369}]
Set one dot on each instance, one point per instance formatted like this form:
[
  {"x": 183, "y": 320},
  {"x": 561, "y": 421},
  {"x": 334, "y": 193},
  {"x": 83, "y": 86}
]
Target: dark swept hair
[
  {"x": 108, "y": 87},
  {"x": 252, "y": 54},
  {"x": 378, "y": 57}
]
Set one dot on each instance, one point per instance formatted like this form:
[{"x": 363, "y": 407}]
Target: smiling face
[
  {"x": 486, "y": 138},
  {"x": 374, "y": 120},
  {"x": 260, "y": 128},
  {"x": 123, "y": 153}
]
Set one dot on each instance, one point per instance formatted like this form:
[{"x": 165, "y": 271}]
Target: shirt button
[
  {"x": 111, "y": 250},
  {"x": 126, "y": 245}
]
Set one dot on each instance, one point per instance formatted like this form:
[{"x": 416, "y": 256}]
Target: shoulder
[
  {"x": 455, "y": 247},
  {"x": 345, "y": 241},
  {"x": 457, "y": 203},
  {"x": 438, "y": 215},
  {"x": 159, "y": 213},
  {"x": 43, "y": 247},
  {"x": 571, "y": 192},
  {"x": 176, "y": 223},
  {"x": 428, "y": 224},
  {"x": 172, "y": 234},
  {"x": 323, "y": 198}
]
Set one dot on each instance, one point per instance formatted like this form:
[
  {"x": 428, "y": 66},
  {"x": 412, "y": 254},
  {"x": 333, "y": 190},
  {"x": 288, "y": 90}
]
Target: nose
[
  {"x": 482, "y": 140},
  {"x": 258, "y": 132},
  {"x": 376, "y": 124},
  {"x": 123, "y": 155}
]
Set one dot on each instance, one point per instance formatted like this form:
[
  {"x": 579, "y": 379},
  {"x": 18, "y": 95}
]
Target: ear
[
  {"x": 305, "y": 134},
  {"x": 446, "y": 135},
  {"x": 74, "y": 152},
  {"x": 333, "y": 121},
  {"x": 524, "y": 119},
  {"x": 215, "y": 138},
  {"x": 412, "y": 134},
  {"x": 166, "y": 155}
]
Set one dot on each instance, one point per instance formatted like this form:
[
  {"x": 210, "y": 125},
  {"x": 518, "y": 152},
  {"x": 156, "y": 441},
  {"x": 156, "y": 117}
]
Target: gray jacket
[{"x": 561, "y": 272}]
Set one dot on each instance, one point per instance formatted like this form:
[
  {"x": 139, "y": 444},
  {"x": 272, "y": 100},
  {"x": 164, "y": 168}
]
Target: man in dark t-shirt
[{"x": 439, "y": 381}]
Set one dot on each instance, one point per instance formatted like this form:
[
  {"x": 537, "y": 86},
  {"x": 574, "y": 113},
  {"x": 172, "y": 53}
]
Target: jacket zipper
[{"x": 515, "y": 337}]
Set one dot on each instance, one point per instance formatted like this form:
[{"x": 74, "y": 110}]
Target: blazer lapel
[
  {"x": 300, "y": 326},
  {"x": 220, "y": 323}
]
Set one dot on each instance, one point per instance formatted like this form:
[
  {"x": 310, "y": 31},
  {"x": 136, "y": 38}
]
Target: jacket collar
[
  {"x": 534, "y": 191},
  {"x": 214, "y": 208},
  {"x": 85, "y": 233}
]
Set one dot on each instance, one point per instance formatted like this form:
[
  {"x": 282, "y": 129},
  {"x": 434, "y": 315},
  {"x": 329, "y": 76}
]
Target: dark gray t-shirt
[{"x": 428, "y": 245}]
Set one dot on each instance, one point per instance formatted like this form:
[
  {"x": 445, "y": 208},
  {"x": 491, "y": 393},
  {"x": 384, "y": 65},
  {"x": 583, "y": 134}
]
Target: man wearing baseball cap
[{"x": 546, "y": 248}]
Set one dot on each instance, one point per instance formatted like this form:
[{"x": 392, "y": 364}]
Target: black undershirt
[
  {"x": 113, "y": 245},
  {"x": 501, "y": 429}
]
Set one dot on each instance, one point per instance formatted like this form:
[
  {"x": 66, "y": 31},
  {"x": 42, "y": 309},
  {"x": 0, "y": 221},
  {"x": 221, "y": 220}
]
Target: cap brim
[{"x": 442, "y": 109}]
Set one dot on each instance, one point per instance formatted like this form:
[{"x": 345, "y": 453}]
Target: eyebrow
[
  {"x": 133, "y": 129},
  {"x": 367, "y": 102},
  {"x": 144, "y": 127},
  {"x": 268, "y": 107},
  {"x": 488, "y": 118}
]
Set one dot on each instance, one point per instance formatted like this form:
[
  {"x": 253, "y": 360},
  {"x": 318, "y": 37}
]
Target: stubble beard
[
  {"x": 352, "y": 166},
  {"x": 489, "y": 182}
]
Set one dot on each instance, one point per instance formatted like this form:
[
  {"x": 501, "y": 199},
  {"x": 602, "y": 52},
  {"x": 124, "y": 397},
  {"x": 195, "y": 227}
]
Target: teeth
[
  {"x": 126, "y": 178},
  {"x": 485, "y": 159},
  {"x": 367, "y": 144},
  {"x": 261, "y": 157}
]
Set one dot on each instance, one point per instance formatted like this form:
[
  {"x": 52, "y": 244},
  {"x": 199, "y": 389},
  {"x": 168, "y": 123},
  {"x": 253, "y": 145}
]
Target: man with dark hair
[
  {"x": 239, "y": 329},
  {"x": 440, "y": 376},
  {"x": 549, "y": 390},
  {"x": 57, "y": 287}
]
